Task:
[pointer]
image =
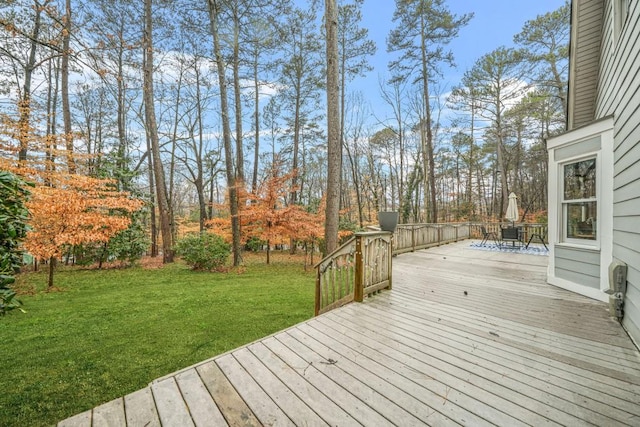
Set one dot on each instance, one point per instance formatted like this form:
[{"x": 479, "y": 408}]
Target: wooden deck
[{"x": 465, "y": 337}]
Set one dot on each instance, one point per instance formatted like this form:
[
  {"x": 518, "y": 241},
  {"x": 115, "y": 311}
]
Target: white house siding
[
  {"x": 619, "y": 95},
  {"x": 578, "y": 266}
]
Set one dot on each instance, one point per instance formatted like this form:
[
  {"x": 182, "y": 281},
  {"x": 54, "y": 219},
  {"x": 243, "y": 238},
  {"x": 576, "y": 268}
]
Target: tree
[
  {"x": 354, "y": 48},
  {"x": 66, "y": 108},
  {"x": 499, "y": 79},
  {"x": 75, "y": 210},
  {"x": 26, "y": 46},
  {"x": 545, "y": 40},
  {"x": 334, "y": 145},
  {"x": 300, "y": 74},
  {"x": 114, "y": 54},
  {"x": 394, "y": 95},
  {"x": 232, "y": 188},
  {"x": 152, "y": 135},
  {"x": 424, "y": 27},
  {"x": 13, "y": 229},
  {"x": 464, "y": 99},
  {"x": 270, "y": 218}
]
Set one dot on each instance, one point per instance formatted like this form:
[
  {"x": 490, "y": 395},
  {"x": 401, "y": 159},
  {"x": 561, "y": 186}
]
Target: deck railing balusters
[{"x": 363, "y": 264}]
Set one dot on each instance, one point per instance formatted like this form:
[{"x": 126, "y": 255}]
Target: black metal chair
[
  {"x": 539, "y": 236},
  {"x": 486, "y": 235},
  {"x": 512, "y": 234}
]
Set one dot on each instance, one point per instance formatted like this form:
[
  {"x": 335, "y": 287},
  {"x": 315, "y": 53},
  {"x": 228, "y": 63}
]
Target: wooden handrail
[
  {"x": 363, "y": 265},
  {"x": 354, "y": 270}
]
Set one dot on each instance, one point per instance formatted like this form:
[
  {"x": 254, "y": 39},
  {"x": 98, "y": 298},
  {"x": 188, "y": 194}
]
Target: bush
[
  {"x": 204, "y": 251},
  {"x": 131, "y": 244},
  {"x": 254, "y": 244},
  {"x": 13, "y": 228}
]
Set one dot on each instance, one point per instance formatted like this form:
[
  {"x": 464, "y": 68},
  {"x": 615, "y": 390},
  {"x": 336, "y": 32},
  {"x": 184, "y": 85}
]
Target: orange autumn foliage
[
  {"x": 268, "y": 217},
  {"x": 77, "y": 210}
]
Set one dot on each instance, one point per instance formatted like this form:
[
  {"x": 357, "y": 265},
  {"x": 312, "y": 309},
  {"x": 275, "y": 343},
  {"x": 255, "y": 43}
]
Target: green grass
[{"x": 108, "y": 333}]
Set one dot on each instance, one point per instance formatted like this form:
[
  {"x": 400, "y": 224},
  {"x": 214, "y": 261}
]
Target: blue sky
[{"x": 494, "y": 24}]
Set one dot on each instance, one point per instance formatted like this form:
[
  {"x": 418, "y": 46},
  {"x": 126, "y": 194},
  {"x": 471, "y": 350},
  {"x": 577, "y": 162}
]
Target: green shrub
[
  {"x": 13, "y": 228},
  {"x": 254, "y": 244},
  {"x": 204, "y": 251},
  {"x": 131, "y": 244}
]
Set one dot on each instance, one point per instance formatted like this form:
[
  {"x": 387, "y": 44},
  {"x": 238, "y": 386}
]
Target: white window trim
[
  {"x": 564, "y": 240},
  {"x": 603, "y": 128}
]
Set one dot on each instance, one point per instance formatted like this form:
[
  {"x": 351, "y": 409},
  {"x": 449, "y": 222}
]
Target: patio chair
[
  {"x": 539, "y": 236},
  {"x": 511, "y": 234},
  {"x": 486, "y": 235}
]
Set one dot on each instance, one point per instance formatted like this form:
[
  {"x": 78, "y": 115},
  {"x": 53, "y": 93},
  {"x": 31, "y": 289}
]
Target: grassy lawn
[{"x": 108, "y": 333}]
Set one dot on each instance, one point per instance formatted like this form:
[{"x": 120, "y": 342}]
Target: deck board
[
  {"x": 512, "y": 351},
  {"x": 172, "y": 408},
  {"x": 464, "y": 346},
  {"x": 140, "y": 409},
  {"x": 202, "y": 408},
  {"x": 109, "y": 414},
  {"x": 234, "y": 409}
]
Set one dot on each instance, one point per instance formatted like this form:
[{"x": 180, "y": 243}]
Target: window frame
[{"x": 564, "y": 203}]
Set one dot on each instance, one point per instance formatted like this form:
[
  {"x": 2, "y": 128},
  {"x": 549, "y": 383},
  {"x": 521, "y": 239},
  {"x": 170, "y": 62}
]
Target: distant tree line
[{"x": 192, "y": 103}]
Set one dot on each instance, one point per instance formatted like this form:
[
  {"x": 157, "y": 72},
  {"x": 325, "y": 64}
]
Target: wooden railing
[
  {"x": 362, "y": 265},
  {"x": 412, "y": 237},
  {"x": 359, "y": 267}
]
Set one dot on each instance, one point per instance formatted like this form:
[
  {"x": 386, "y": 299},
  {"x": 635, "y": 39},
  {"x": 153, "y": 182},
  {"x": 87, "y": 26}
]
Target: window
[{"x": 579, "y": 204}]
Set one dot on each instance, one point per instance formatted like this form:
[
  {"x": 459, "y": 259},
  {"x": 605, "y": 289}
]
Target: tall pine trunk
[
  {"x": 226, "y": 133},
  {"x": 66, "y": 109},
  {"x": 152, "y": 132},
  {"x": 334, "y": 147}
]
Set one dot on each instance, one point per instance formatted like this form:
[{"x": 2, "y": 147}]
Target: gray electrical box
[{"x": 617, "y": 288}]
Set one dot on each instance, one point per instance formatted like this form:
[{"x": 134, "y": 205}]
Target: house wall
[
  {"x": 619, "y": 95},
  {"x": 574, "y": 264},
  {"x": 578, "y": 266}
]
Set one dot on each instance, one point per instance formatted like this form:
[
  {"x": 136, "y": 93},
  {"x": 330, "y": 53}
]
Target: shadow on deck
[{"x": 465, "y": 337}]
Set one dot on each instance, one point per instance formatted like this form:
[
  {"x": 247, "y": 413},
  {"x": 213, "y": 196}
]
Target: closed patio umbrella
[{"x": 512, "y": 209}]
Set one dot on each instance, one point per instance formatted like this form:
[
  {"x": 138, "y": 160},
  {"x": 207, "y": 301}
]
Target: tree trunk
[
  {"x": 122, "y": 112},
  {"x": 256, "y": 120},
  {"x": 152, "y": 200},
  {"x": 66, "y": 109},
  {"x": 268, "y": 251},
  {"x": 433, "y": 212},
  {"x": 334, "y": 147},
  {"x": 24, "y": 106},
  {"x": 52, "y": 267},
  {"x": 237, "y": 97},
  {"x": 52, "y": 122},
  {"x": 226, "y": 133},
  {"x": 152, "y": 132}
]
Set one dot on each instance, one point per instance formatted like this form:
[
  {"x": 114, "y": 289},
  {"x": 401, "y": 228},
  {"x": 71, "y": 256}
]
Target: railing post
[
  {"x": 390, "y": 258},
  {"x": 456, "y": 227},
  {"x": 413, "y": 238},
  {"x": 317, "y": 305},
  {"x": 358, "y": 286},
  {"x": 439, "y": 234}
]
